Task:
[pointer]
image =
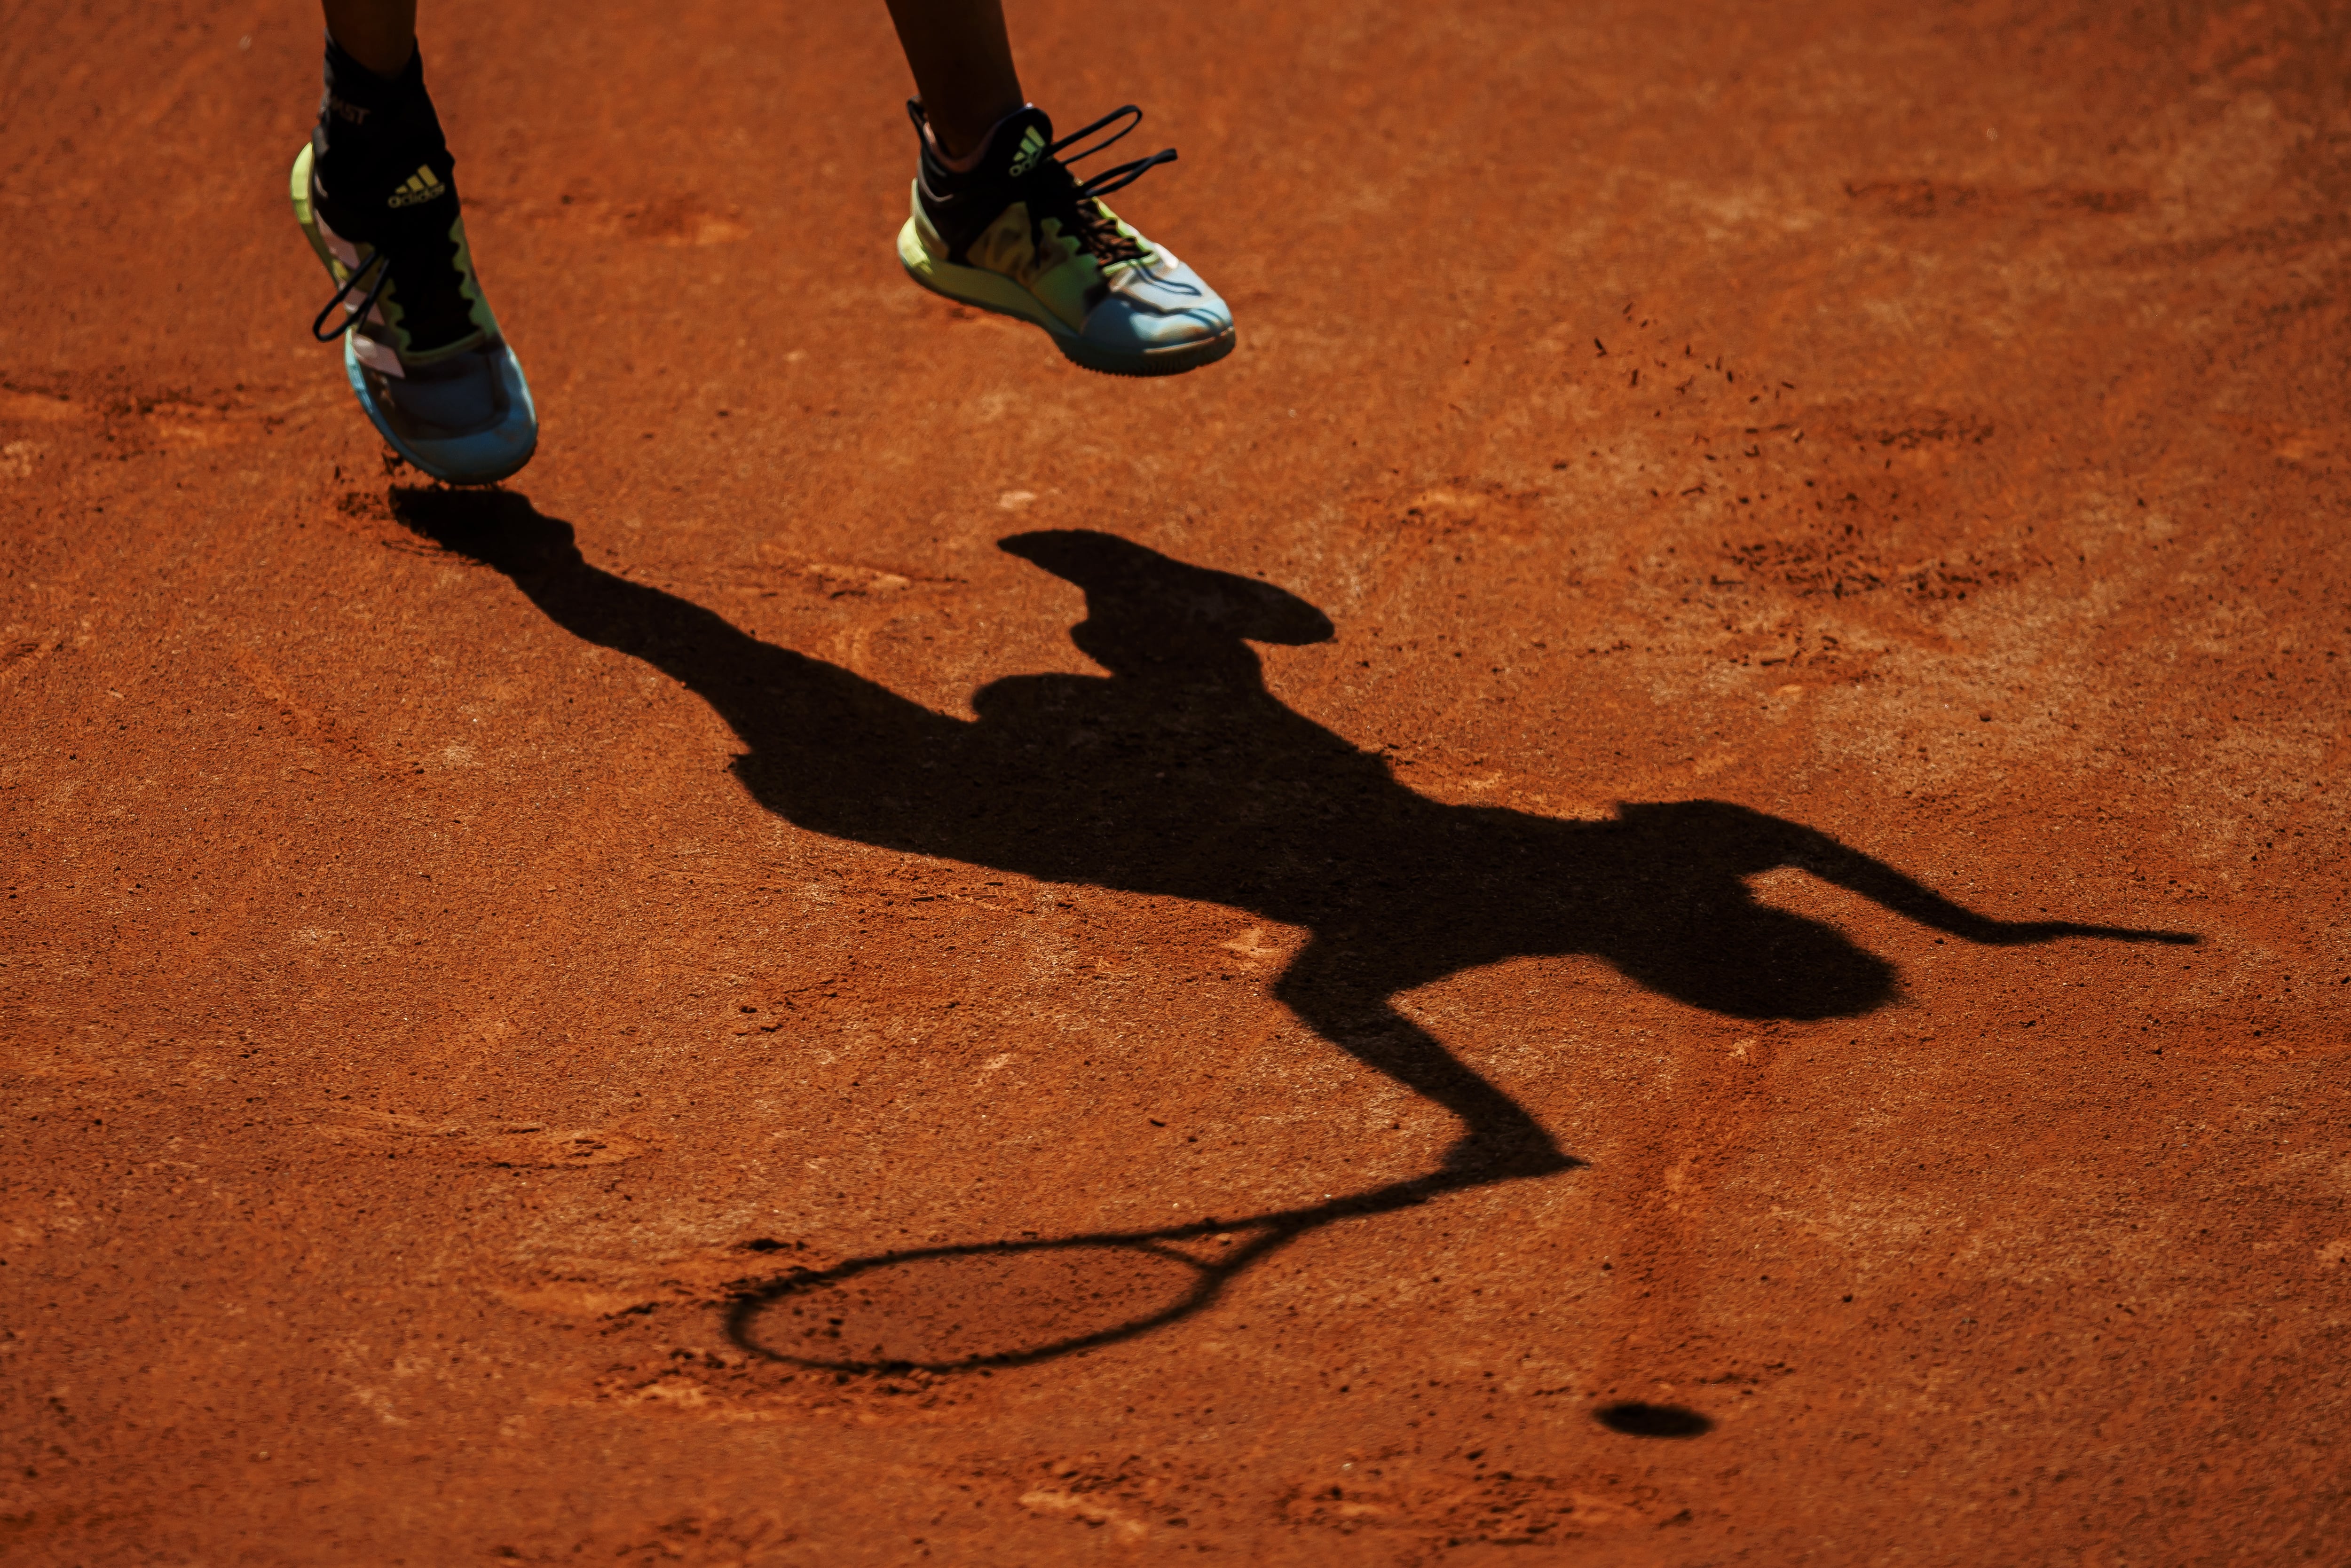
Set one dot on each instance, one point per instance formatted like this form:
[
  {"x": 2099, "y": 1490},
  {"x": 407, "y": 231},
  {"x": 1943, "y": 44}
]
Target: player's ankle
[
  {"x": 375, "y": 135},
  {"x": 357, "y": 92},
  {"x": 386, "y": 57},
  {"x": 969, "y": 159}
]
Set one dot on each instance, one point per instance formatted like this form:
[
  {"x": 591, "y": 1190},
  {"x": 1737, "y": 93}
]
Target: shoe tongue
[{"x": 1017, "y": 144}]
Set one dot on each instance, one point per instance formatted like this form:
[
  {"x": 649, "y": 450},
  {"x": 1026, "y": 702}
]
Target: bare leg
[
  {"x": 379, "y": 34},
  {"x": 962, "y": 61},
  {"x": 958, "y": 50}
]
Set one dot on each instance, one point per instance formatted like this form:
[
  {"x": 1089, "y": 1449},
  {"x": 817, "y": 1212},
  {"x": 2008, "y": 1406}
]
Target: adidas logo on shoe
[
  {"x": 424, "y": 186},
  {"x": 1032, "y": 147}
]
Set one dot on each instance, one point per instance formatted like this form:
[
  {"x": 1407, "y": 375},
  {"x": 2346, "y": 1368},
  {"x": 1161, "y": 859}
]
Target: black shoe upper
[
  {"x": 383, "y": 179},
  {"x": 1021, "y": 163}
]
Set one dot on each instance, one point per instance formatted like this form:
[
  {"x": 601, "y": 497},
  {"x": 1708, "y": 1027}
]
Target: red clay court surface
[{"x": 679, "y": 1013}]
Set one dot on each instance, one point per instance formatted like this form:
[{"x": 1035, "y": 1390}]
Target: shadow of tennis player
[{"x": 1178, "y": 773}]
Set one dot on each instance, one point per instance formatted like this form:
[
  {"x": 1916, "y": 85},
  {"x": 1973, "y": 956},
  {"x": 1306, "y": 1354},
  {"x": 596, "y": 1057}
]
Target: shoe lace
[
  {"x": 1079, "y": 204},
  {"x": 382, "y": 264}
]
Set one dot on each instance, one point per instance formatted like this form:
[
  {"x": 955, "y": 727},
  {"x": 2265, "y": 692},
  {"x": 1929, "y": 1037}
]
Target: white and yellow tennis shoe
[{"x": 1018, "y": 234}]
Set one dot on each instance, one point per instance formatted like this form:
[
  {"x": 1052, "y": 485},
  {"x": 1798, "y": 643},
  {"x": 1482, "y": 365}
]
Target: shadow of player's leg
[{"x": 1330, "y": 992}]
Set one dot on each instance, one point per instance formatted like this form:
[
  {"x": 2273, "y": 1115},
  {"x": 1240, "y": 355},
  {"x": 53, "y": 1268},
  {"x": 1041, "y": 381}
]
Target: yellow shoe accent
[{"x": 925, "y": 259}]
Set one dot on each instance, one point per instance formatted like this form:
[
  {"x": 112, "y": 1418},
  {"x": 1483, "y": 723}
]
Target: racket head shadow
[{"x": 953, "y": 1309}]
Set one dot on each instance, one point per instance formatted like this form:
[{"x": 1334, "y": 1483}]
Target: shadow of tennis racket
[{"x": 1012, "y": 1303}]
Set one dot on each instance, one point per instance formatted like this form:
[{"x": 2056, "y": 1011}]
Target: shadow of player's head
[
  {"x": 1748, "y": 960},
  {"x": 1154, "y": 618},
  {"x": 1664, "y": 892}
]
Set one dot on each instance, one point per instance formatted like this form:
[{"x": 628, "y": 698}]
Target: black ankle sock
[
  {"x": 374, "y": 136},
  {"x": 386, "y": 181}
]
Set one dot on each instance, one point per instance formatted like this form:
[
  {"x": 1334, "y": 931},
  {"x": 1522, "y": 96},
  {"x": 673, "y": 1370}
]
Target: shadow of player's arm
[
  {"x": 1343, "y": 998},
  {"x": 1809, "y": 850}
]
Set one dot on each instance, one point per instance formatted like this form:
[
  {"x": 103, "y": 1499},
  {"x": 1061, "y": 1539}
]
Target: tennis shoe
[
  {"x": 375, "y": 192},
  {"x": 1021, "y": 234}
]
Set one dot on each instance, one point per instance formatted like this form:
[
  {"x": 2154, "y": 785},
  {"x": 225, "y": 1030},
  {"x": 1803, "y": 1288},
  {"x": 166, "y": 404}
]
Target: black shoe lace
[
  {"x": 1079, "y": 204},
  {"x": 381, "y": 264}
]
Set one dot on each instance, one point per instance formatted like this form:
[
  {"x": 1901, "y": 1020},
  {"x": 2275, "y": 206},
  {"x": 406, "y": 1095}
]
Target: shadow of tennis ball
[
  {"x": 1637, "y": 1421},
  {"x": 959, "y": 1307}
]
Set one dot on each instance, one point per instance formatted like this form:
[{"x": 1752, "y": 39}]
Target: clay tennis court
[{"x": 1661, "y": 884}]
